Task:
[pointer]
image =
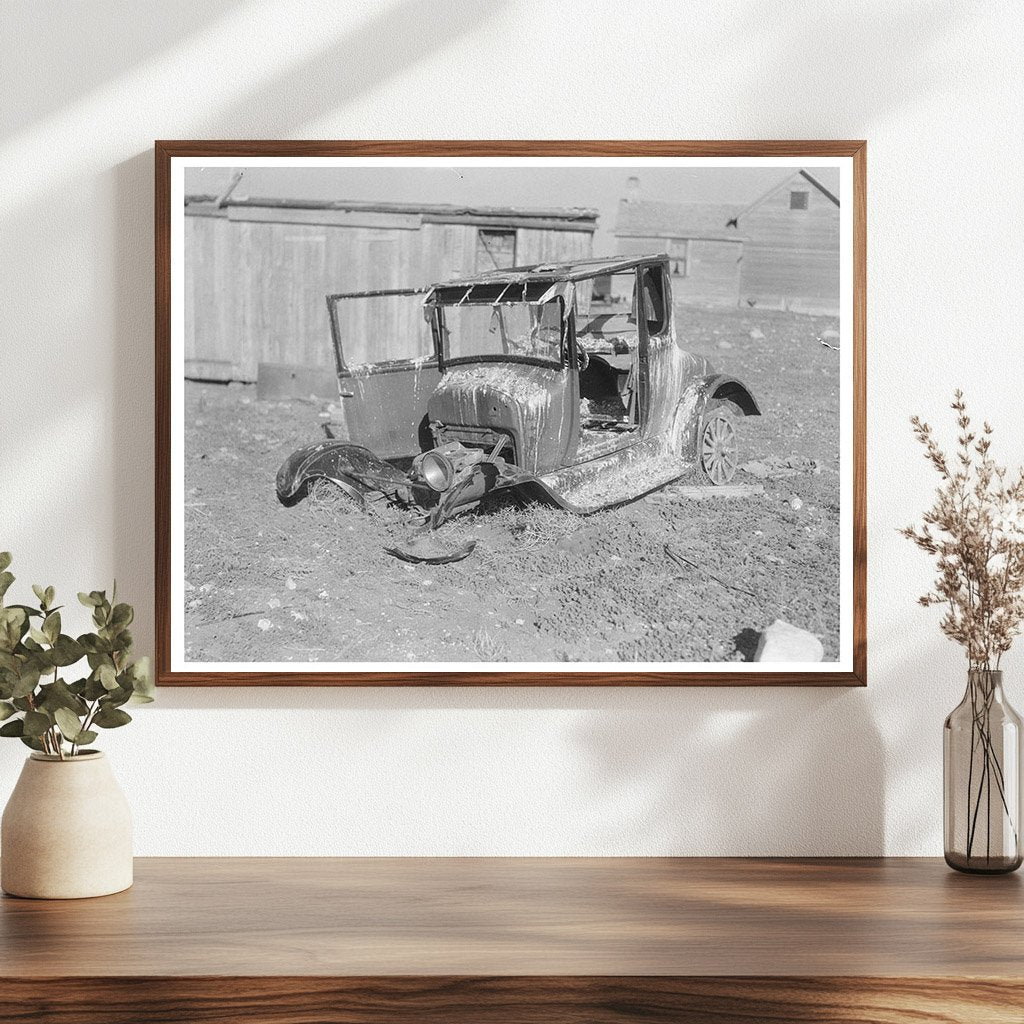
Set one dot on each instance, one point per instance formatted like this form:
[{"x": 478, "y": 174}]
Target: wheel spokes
[{"x": 718, "y": 450}]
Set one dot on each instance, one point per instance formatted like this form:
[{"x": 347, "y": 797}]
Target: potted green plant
[
  {"x": 975, "y": 532},
  {"x": 66, "y": 830}
]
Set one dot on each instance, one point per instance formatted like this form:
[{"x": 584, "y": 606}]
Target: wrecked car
[{"x": 565, "y": 381}]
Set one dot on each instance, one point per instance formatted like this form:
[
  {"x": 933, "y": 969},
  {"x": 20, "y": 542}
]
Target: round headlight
[{"x": 437, "y": 470}]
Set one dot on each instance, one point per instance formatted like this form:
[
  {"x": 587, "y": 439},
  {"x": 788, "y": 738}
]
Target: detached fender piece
[{"x": 353, "y": 468}]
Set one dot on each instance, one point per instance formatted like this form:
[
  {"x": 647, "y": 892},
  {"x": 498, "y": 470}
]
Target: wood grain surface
[
  {"x": 165, "y": 150},
  {"x": 570, "y": 940}
]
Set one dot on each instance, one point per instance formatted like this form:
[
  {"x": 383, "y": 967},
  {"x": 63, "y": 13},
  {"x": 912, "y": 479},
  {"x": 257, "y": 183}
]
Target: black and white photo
[{"x": 439, "y": 415}]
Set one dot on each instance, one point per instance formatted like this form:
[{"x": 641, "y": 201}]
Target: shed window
[
  {"x": 798, "y": 200},
  {"x": 679, "y": 257},
  {"x": 495, "y": 250}
]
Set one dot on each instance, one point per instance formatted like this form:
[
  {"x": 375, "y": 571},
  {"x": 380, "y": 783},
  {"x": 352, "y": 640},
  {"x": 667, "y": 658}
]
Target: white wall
[{"x": 935, "y": 87}]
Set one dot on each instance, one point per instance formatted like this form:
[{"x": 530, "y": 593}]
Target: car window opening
[{"x": 608, "y": 343}]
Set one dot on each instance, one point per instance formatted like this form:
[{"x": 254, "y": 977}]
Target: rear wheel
[{"x": 717, "y": 445}]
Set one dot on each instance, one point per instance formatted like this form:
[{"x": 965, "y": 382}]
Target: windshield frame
[{"x": 508, "y": 294}]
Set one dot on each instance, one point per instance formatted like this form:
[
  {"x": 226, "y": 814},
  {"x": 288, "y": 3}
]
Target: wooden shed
[
  {"x": 705, "y": 255},
  {"x": 791, "y": 252},
  {"x": 257, "y": 272}
]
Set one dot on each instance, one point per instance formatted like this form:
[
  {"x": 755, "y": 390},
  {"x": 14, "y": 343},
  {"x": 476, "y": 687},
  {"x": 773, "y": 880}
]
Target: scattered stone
[
  {"x": 725, "y": 344},
  {"x": 265, "y": 624},
  {"x": 795, "y": 503},
  {"x": 274, "y": 602},
  {"x": 830, "y": 335},
  {"x": 783, "y": 642},
  {"x": 757, "y": 334},
  {"x": 756, "y": 469},
  {"x": 290, "y": 583}
]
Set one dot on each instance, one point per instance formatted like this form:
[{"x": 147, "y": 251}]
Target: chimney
[{"x": 633, "y": 190}]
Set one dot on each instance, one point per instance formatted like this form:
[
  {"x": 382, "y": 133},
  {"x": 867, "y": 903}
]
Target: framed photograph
[{"x": 493, "y": 413}]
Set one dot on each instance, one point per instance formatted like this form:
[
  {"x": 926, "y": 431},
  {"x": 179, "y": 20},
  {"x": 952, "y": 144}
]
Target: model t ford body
[{"x": 564, "y": 380}]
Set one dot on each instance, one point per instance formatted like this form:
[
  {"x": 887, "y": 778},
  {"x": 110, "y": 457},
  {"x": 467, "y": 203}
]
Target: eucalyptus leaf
[
  {"x": 29, "y": 610},
  {"x": 16, "y": 727},
  {"x": 142, "y": 678},
  {"x": 115, "y": 698},
  {"x": 122, "y": 616},
  {"x": 51, "y": 626},
  {"x": 36, "y": 723},
  {"x": 12, "y": 627},
  {"x": 94, "y": 644},
  {"x": 30, "y": 741},
  {"x": 69, "y": 724},
  {"x": 40, "y": 593},
  {"x": 50, "y": 594},
  {"x": 6, "y": 579},
  {"x": 6, "y": 710},
  {"x": 38, "y": 635},
  {"x": 5, "y": 560},
  {"x": 59, "y": 695},
  {"x": 89, "y": 600},
  {"x": 86, "y": 736},
  {"x": 110, "y": 717},
  {"x": 94, "y": 689},
  {"x": 66, "y": 651},
  {"x": 27, "y": 681},
  {"x": 107, "y": 676}
]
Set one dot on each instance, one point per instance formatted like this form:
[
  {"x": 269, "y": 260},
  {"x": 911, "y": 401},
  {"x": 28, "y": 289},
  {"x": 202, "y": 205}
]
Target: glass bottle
[{"x": 981, "y": 772}]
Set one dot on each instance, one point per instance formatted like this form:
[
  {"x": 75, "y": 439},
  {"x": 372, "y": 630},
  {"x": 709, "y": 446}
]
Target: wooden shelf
[{"x": 507, "y": 940}]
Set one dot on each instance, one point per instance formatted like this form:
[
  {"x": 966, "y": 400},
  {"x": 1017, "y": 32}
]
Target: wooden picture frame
[{"x": 847, "y": 670}]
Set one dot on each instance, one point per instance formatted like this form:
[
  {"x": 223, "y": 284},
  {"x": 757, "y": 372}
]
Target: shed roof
[
  {"x": 830, "y": 196},
  {"x": 656, "y": 219},
  {"x": 581, "y": 218}
]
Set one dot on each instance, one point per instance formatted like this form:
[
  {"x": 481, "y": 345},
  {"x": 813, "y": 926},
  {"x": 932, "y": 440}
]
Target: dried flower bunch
[
  {"x": 975, "y": 529},
  {"x": 47, "y": 713}
]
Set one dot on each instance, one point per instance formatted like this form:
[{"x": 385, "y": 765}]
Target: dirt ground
[{"x": 312, "y": 583}]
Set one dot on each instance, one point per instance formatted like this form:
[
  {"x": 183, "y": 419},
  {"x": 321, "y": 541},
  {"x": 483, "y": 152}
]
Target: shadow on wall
[
  {"x": 395, "y": 38},
  {"x": 693, "y": 771},
  {"x": 41, "y": 61},
  {"x": 743, "y": 771},
  {"x": 789, "y": 36}
]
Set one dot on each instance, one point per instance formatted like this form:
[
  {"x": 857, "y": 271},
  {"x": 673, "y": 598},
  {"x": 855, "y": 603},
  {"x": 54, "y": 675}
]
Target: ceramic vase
[{"x": 66, "y": 831}]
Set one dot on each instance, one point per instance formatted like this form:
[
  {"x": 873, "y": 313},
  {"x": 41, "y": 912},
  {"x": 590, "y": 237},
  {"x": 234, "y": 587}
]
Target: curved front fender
[
  {"x": 353, "y": 468},
  {"x": 695, "y": 398}
]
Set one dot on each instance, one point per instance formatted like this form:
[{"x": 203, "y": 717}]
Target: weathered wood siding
[
  {"x": 791, "y": 257},
  {"x": 705, "y": 271},
  {"x": 256, "y": 281}
]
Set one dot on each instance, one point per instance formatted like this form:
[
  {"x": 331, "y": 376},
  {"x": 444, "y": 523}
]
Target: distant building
[
  {"x": 779, "y": 252},
  {"x": 258, "y": 271},
  {"x": 791, "y": 254},
  {"x": 705, "y": 254}
]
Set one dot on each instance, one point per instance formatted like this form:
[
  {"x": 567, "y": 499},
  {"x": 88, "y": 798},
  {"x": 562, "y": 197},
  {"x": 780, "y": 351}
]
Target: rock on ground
[{"x": 783, "y": 642}]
